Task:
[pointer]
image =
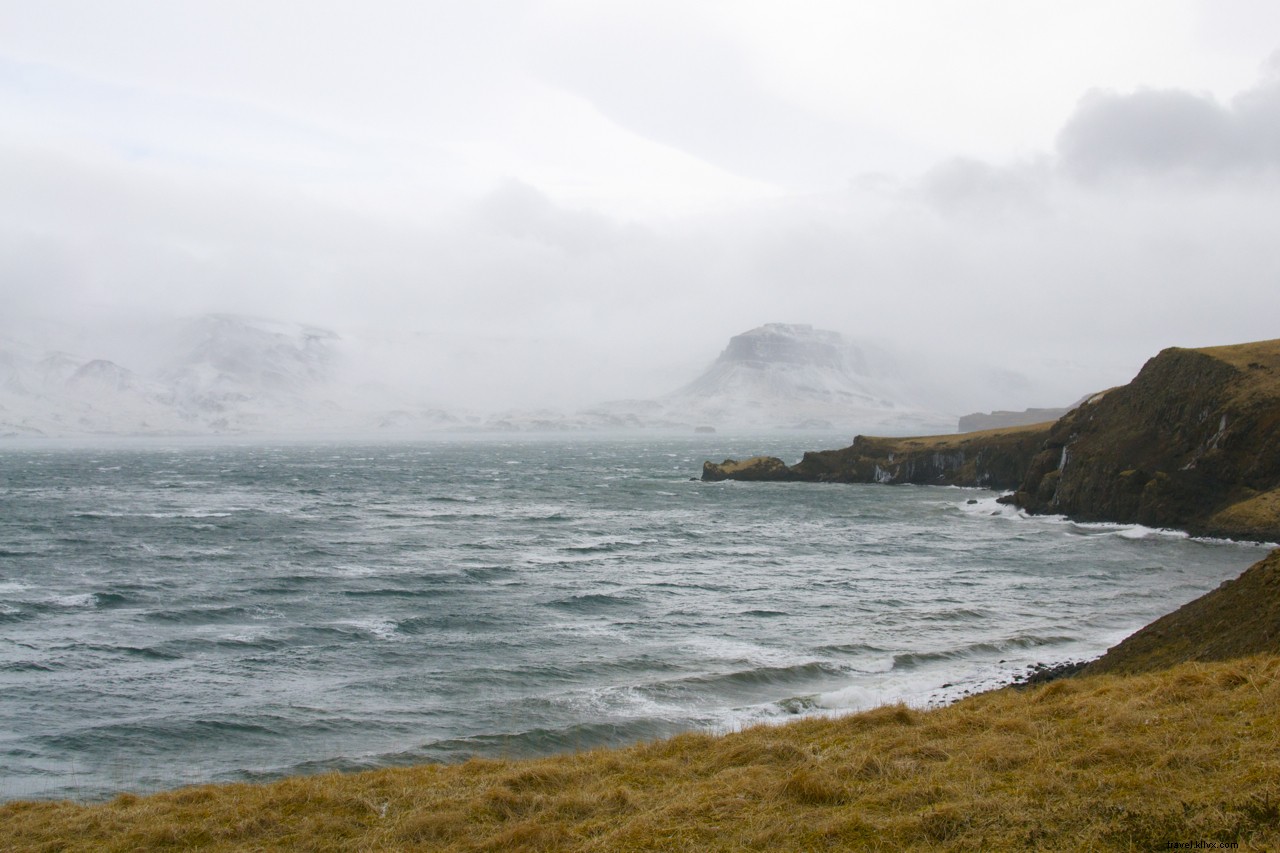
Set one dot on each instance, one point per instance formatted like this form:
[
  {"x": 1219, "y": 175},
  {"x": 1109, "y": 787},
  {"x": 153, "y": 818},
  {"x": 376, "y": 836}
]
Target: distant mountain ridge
[
  {"x": 1002, "y": 419},
  {"x": 232, "y": 374},
  {"x": 211, "y": 374}
]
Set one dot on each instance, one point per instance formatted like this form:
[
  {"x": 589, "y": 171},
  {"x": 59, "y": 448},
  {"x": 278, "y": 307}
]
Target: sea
[{"x": 175, "y": 612}]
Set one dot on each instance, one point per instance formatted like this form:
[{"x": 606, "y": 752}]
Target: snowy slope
[{"x": 212, "y": 374}]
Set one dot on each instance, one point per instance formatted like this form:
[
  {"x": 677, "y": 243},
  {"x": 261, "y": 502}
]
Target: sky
[{"x": 525, "y": 203}]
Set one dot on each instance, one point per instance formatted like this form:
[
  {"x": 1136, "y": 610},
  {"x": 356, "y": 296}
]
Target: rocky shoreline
[{"x": 1189, "y": 444}]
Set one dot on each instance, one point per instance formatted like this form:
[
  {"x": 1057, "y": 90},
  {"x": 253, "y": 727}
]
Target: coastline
[
  {"x": 1061, "y": 755},
  {"x": 1106, "y": 762}
]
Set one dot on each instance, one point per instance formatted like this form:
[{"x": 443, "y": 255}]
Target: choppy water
[{"x": 176, "y": 614}]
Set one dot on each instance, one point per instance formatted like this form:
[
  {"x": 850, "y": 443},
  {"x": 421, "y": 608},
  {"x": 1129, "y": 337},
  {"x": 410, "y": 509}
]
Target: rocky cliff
[
  {"x": 1193, "y": 442},
  {"x": 997, "y": 459}
]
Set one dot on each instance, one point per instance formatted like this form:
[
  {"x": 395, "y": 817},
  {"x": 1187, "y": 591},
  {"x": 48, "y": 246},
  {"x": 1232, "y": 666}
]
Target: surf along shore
[
  {"x": 1167, "y": 752},
  {"x": 1172, "y": 737}
]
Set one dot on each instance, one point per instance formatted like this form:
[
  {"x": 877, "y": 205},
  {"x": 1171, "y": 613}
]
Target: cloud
[
  {"x": 581, "y": 202},
  {"x": 1163, "y": 132},
  {"x": 521, "y": 211},
  {"x": 963, "y": 186},
  {"x": 661, "y": 74}
]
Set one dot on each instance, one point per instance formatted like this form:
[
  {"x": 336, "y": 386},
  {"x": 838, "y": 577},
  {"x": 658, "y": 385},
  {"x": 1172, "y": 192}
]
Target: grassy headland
[{"x": 1189, "y": 443}]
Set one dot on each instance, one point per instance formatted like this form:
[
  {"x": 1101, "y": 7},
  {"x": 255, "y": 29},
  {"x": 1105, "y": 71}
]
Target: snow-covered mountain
[
  {"x": 211, "y": 374},
  {"x": 793, "y": 376},
  {"x": 227, "y": 374}
]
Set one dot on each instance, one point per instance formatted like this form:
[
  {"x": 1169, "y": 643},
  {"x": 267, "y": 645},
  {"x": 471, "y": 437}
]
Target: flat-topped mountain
[
  {"x": 783, "y": 375},
  {"x": 1193, "y": 442}
]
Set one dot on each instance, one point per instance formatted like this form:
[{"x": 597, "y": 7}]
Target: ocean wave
[
  {"x": 590, "y": 602},
  {"x": 138, "y": 736},
  {"x": 487, "y": 572},
  {"x": 378, "y": 628},
  {"x": 443, "y": 622},
  {"x": 851, "y": 649},
  {"x": 745, "y": 682},
  {"x": 201, "y": 615},
  {"x": 143, "y": 652},
  {"x": 9, "y": 613},
  {"x": 28, "y": 666},
  {"x": 911, "y": 660},
  {"x": 542, "y": 741},
  {"x": 195, "y": 646},
  {"x": 957, "y": 614},
  {"x": 604, "y": 546},
  {"x": 429, "y": 591},
  {"x": 70, "y": 601}
]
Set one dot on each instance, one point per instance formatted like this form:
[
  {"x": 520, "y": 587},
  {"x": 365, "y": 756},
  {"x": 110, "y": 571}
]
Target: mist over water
[{"x": 183, "y": 613}]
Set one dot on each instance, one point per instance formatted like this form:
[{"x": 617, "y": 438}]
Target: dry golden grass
[
  {"x": 1101, "y": 763},
  {"x": 1265, "y": 354},
  {"x": 1258, "y": 364},
  {"x": 1260, "y": 511},
  {"x": 734, "y": 466}
]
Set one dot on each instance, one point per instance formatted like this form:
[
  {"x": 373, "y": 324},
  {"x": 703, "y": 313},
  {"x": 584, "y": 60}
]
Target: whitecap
[
  {"x": 82, "y": 599},
  {"x": 383, "y": 629}
]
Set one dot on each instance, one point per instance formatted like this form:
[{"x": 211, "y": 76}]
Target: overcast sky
[{"x": 570, "y": 201}]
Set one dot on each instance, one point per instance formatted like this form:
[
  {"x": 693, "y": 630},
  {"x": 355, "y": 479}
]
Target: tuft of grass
[{"x": 1103, "y": 762}]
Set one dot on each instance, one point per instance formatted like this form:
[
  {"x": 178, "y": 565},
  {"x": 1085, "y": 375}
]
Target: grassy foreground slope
[{"x": 1106, "y": 762}]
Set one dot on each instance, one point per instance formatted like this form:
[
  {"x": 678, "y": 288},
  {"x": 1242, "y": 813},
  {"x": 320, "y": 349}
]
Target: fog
[{"x": 557, "y": 203}]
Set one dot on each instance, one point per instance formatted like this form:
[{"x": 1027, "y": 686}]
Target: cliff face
[
  {"x": 997, "y": 459},
  {"x": 1192, "y": 442}
]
